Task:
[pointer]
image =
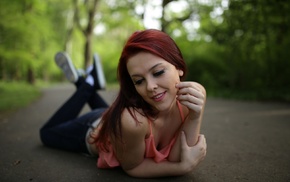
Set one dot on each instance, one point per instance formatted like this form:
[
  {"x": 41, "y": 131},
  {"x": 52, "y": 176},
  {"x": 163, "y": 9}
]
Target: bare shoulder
[
  {"x": 130, "y": 152},
  {"x": 131, "y": 125}
]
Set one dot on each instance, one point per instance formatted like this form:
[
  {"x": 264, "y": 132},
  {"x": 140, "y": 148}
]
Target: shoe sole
[
  {"x": 64, "y": 62},
  {"x": 100, "y": 72}
]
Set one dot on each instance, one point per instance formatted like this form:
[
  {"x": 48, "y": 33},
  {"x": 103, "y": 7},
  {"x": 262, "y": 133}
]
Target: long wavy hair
[{"x": 155, "y": 42}]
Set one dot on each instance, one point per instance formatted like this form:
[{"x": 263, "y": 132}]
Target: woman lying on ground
[{"x": 152, "y": 129}]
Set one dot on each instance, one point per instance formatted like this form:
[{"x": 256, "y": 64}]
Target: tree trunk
[
  {"x": 88, "y": 30},
  {"x": 30, "y": 76},
  {"x": 88, "y": 33},
  {"x": 88, "y": 50}
]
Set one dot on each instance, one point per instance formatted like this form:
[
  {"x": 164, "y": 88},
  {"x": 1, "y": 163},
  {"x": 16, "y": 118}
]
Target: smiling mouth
[{"x": 158, "y": 97}]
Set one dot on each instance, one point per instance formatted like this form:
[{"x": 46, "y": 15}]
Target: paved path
[{"x": 247, "y": 141}]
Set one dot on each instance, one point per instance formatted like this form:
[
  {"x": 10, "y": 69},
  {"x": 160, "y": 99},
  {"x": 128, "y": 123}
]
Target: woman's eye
[
  {"x": 138, "y": 82},
  {"x": 159, "y": 73}
]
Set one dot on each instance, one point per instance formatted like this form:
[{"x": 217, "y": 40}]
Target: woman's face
[{"x": 154, "y": 79}]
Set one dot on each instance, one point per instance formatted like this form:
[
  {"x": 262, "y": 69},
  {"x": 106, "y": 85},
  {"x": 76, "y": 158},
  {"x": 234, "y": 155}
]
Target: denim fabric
[{"x": 65, "y": 130}]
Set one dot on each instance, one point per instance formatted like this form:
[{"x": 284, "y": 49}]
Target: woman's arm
[
  {"x": 190, "y": 158},
  {"x": 193, "y": 96},
  {"x": 130, "y": 152},
  {"x": 130, "y": 149}
]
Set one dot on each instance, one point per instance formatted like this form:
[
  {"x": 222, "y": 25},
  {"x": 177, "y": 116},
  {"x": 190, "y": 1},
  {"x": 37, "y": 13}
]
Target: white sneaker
[
  {"x": 63, "y": 61},
  {"x": 98, "y": 73}
]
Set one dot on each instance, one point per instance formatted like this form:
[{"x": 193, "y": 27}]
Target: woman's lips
[{"x": 158, "y": 97}]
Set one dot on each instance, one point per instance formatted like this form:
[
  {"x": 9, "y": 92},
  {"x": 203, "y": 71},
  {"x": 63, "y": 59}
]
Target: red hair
[{"x": 154, "y": 42}]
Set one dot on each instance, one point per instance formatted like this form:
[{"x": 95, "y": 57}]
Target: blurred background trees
[{"x": 235, "y": 48}]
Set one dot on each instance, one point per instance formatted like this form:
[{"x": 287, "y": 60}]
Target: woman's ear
[{"x": 180, "y": 73}]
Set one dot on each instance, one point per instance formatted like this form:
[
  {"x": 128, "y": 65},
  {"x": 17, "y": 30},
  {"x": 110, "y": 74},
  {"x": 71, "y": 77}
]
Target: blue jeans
[{"x": 65, "y": 130}]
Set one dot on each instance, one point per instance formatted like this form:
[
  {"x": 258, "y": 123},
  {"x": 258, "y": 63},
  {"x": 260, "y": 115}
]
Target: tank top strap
[
  {"x": 180, "y": 111},
  {"x": 150, "y": 126}
]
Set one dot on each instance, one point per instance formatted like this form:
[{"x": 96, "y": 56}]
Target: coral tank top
[{"x": 109, "y": 160}]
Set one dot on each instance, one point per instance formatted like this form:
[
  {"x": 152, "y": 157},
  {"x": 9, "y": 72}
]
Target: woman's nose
[{"x": 151, "y": 84}]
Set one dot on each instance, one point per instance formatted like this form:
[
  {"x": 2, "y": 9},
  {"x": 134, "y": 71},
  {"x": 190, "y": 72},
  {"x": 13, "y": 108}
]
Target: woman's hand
[
  {"x": 192, "y": 156},
  {"x": 93, "y": 136},
  {"x": 92, "y": 140},
  {"x": 193, "y": 96}
]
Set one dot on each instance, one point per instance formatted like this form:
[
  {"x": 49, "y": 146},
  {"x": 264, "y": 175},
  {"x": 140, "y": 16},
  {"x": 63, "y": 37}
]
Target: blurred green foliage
[
  {"x": 16, "y": 94},
  {"x": 235, "y": 48},
  {"x": 243, "y": 53}
]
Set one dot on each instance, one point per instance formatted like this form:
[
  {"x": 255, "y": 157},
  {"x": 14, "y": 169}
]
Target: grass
[{"x": 15, "y": 95}]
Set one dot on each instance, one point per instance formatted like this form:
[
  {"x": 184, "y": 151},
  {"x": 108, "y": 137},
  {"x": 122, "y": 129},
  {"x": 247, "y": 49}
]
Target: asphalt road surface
[{"x": 247, "y": 141}]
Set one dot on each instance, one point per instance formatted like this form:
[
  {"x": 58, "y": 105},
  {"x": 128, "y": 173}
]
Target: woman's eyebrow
[{"x": 156, "y": 65}]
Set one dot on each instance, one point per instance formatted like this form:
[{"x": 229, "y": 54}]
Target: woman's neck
[{"x": 169, "y": 114}]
